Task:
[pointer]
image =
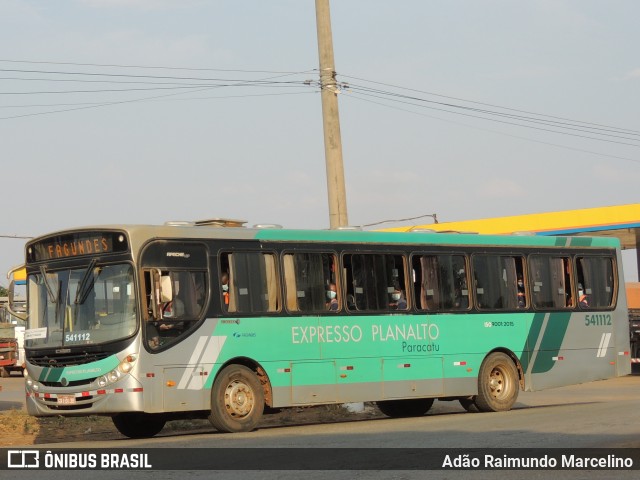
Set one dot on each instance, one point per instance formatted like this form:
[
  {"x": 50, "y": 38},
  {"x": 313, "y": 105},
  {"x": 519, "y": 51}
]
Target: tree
[{"x": 3, "y": 292}]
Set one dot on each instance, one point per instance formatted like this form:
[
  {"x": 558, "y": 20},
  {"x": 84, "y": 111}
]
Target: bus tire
[
  {"x": 138, "y": 424},
  {"x": 237, "y": 400},
  {"x": 415, "y": 407},
  {"x": 498, "y": 385}
]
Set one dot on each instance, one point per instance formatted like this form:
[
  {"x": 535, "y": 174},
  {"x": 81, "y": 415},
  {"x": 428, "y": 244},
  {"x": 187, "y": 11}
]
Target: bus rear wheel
[
  {"x": 497, "y": 384},
  {"x": 138, "y": 425},
  {"x": 415, "y": 407},
  {"x": 237, "y": 400}
]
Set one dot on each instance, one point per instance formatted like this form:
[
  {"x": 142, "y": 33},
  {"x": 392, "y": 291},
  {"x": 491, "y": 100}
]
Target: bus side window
[
  {"x": 377, "y": 282},
  {"x": 175, "y": 301},
  {"x": 441, "y": 282},
  {"x": 497, "y": 280},
  {"x": 597, "y": 278},
  {"x": 308, "y": 281},
  {"x": 253, "y": 282},
  {"x": 550, "y": 281}
]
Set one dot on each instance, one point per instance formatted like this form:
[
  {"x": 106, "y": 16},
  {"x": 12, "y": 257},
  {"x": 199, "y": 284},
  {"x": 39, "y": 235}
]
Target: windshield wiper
[
  {"x": 53, "y": 297},
  {"x": 85, "y": 285}
]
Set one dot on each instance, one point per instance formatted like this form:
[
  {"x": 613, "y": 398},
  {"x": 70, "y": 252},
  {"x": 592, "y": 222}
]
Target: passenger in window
[
  {"x": 173, "y": 309},
  {"x": 332, "y": 296},
  {"x": 224, "y": 285},
  {"x": 522, "y": 301},
  {"x": 398, "y": 301},
  {"x": 582, "y": 298}
]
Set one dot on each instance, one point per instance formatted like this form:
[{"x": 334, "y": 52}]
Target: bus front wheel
[
  {"x": 415, "y": 407},
  {"x": 497, "y": 384},
  {"x": 138, "y": 425},
  {"x": 237, "y": 400}
]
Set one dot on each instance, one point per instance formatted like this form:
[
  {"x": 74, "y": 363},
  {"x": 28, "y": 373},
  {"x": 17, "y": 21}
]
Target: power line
[
  {"x": 432, "y": 215},
  {"x": 485, "y": 104},
  {"x": 155, "y": 67},
  {"x": 566, "y": 147},
  {"x": 120, "y": 102},
  {"x": 504, "y": 122},
  {"x": 219, "y": 97},
  {"x": 576, "y": 125},
  {"x": 122, "y": 75}
]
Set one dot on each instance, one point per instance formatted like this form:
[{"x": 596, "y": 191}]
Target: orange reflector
[{"x": 171, "y": 383}]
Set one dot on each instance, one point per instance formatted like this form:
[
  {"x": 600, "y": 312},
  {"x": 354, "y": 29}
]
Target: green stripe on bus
[
  {"x": 553, "y": 336},
  {"x": 581, "y": 241},
  {"x": 79, "y": 372},
  {"x": 532, "y": 338}
]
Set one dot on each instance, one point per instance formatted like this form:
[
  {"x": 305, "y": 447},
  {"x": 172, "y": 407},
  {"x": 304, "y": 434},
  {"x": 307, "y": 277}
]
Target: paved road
[
  {"x": 12, "y": 393},
  {"x": 594, "y": 415}
]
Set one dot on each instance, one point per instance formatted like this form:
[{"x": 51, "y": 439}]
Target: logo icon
[{"x": 23, "y": 458}]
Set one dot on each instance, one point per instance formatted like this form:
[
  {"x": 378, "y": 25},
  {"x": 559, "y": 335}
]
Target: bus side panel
[{"x": 574, "y": 347}]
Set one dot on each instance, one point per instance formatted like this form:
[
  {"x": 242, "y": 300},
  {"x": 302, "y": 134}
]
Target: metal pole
[{"x": 330, "y": 119}]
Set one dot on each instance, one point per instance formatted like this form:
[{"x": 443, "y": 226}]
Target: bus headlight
[
  {"x": 127, "y": 364},
  {"x": 123, "y": 368},
  {"x": 31, "y": 383}
]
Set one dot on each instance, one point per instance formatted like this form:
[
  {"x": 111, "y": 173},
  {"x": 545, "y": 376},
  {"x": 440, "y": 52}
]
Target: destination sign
[{"x": 76, "y": 245}]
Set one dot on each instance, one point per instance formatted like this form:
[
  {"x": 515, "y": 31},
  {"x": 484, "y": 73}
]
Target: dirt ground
[{"x": 19, "y": 429}]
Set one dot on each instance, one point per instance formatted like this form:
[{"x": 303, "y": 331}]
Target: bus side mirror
[{"x": 17, "y": 308}]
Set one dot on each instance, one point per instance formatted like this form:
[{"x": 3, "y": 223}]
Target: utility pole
[{"x": 330, "y": 119}]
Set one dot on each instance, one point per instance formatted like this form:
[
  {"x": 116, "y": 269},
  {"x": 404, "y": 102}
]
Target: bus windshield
[{"x": 81, "y": 306}]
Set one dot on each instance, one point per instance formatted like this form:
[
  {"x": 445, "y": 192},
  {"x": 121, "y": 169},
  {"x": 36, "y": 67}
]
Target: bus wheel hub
[{"x": 239, "y": 399}]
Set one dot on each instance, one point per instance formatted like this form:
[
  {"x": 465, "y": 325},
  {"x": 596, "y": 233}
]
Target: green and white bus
[{"x": 213, "y": 320}]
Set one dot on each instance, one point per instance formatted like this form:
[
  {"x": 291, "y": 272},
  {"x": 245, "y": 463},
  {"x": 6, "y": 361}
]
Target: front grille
[
  {"x": 76, "y": 383},
  {"x": 66, "y": 360}
]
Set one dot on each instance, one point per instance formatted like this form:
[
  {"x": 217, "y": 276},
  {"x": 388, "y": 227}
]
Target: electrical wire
[
  {"x": 566, "y": 147},
  {"x": 220, "y": 97},
  {"x": 485, "y": 104},
  {"x": 502, "y": 121},
  {"x": 414, "y": 101},
  {"x": 155, "y": 67},
  {"x": 135, "y": 100}
]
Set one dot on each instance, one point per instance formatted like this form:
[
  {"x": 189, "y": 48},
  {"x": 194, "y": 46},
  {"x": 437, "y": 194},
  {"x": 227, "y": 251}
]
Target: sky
[{"x": 147, "y": 111}]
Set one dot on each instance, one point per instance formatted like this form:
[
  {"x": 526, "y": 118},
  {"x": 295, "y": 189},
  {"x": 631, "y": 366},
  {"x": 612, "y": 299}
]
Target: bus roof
[{"x": 140, "y": 234}]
